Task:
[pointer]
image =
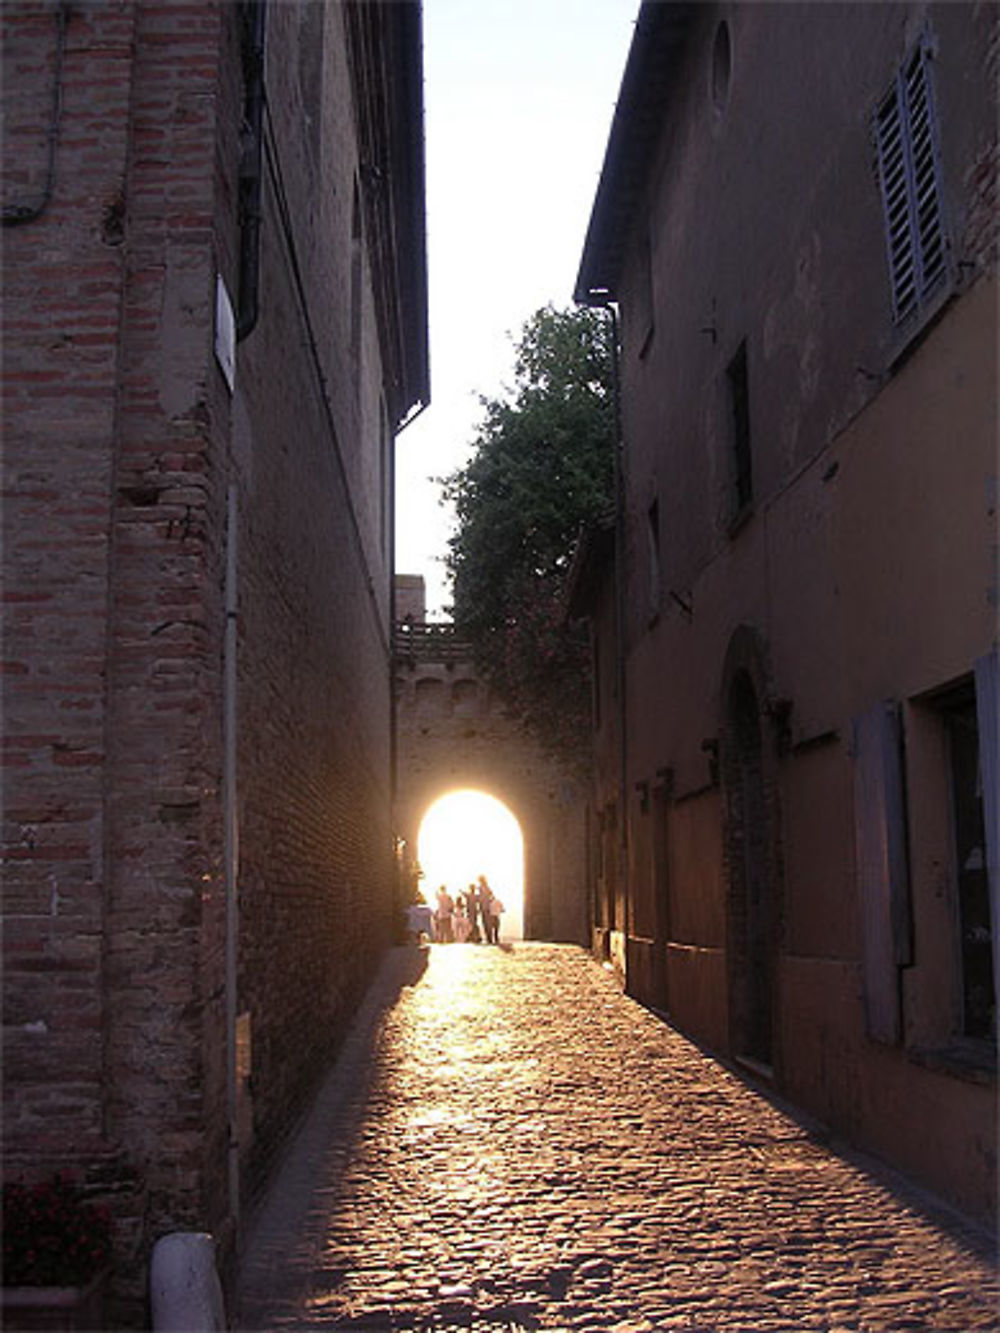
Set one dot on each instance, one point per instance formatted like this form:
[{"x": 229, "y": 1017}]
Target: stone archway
[
  {"x": 451, "y": 733},
  {"x": 465, "y": 834},
  {"x": 752, "y": 862}
]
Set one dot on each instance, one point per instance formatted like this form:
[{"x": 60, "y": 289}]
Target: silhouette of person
[
  {"x": 490, "y": 907},
  {"x": 473, "y": 908},
  {"x": 498, "y": 910},
  {"x": 461, "y": 919},
  {"x": 442, "y": 918}
]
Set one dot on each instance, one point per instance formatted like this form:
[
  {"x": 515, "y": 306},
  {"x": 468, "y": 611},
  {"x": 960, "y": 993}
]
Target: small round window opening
[{"x": 722, "y": 67}]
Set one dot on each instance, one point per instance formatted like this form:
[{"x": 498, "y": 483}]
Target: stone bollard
[{"x": 184, "y": 1287}]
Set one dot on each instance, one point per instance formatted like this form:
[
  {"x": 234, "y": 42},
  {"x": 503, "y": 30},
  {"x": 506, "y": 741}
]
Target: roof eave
[{"x": 661, "y": 31}]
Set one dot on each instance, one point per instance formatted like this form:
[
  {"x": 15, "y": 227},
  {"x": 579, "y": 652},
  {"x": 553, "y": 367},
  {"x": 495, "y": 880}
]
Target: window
[
  {"x": 971, "y": 883},
  {"x": 739, "y": 399},
  {"x": 722, "y": 67},
  {"x": 643, "y": 303},
  {"x": 951, "y": 781},
  {"x": 910, "y": 180}
]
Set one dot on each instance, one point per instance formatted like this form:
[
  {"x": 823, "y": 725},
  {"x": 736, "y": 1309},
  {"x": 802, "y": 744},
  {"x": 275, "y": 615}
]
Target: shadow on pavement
[
  {"x": 299, "y": 1201},
  {"x": 972, "y": 1234},
  {"x": 406, "y": 964}
]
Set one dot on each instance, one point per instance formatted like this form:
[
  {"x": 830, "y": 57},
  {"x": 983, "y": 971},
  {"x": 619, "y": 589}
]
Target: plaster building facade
[
  {"x": 215, "y": 321},
  {"x": 453, "y": 734},
  {"x": 795, "y": 616}
]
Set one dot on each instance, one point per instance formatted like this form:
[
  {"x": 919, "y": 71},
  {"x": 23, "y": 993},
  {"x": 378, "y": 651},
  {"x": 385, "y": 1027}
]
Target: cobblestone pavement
[{"x": 508, "y": 1143}]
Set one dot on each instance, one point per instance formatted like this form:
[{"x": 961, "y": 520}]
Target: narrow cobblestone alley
[{"x": 508, "y": 1142}]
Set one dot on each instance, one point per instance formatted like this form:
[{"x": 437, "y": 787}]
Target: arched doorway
[
  {"x": 751, "y": 894},
  {"x": 469, "y": 833}
]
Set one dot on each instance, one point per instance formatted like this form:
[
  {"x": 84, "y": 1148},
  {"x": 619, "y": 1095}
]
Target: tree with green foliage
[{"x": 542, "y": 469}]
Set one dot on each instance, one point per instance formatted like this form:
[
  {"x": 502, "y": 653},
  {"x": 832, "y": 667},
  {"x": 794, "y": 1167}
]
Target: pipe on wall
[
  {"x": 619, "y": 595},
  {"x": 16, "y": 214},
  {"x": 231, "y": 847},
  {"x": 604, "y": 299}
]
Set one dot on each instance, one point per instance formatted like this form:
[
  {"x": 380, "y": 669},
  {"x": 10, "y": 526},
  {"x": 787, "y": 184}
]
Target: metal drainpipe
[
  {"x": 601, "y": 299},
  {"x": 620, "y": 676},
  {"x": 231, "y": 848},
  {"x": 15, "y": 215},
  {"x": 393, "y": 709},
  {"x": 250, "y": 191}
]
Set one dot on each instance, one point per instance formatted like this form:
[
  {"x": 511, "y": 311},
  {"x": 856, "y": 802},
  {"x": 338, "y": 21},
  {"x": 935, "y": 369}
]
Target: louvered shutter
[
  {"x": 896, "y": 204},
  {"x": 910, "y": 178},
  {"x": 925, "y": 169},
  {"x": 987, "y": 705},
  {"x": 880, "y": 846}
]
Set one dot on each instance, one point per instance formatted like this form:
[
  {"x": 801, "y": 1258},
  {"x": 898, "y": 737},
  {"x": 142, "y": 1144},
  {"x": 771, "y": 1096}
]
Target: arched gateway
[{"x": 451, "y": 734}]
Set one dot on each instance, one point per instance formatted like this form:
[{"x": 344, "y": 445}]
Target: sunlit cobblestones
[{"x": 508, "y": 1143}]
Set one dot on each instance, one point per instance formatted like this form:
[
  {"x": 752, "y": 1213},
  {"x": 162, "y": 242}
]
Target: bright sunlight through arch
[{"x": 467, "y": 834}]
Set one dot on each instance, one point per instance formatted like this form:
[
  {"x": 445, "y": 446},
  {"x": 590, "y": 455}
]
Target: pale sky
[{"x": 519, "y": 96}]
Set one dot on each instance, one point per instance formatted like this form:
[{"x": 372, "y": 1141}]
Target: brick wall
[
  {"x": 122, "y": 441},
  {"x": 315, "y": 876},
  {"x": 164, "y": 893},
  {"x": 64, "y": 281}
]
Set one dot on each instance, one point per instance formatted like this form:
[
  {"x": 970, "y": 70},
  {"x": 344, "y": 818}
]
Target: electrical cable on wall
[
  {"x": 273, "y": 160},
  {"x": 15, "y": 215}
]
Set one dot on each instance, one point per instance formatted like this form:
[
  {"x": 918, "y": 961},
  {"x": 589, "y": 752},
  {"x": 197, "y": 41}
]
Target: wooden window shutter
[
  {"x": 987, "y": 689},
  {"x": 882, "y": 872},
  {"x": 910, "y": 177}
]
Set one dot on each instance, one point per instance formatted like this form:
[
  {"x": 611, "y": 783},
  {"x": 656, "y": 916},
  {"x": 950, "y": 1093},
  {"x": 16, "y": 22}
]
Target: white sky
[{"x": 519, "y": 96}]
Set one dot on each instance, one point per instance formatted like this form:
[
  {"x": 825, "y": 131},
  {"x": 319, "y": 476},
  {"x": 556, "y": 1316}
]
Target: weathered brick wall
[
  {"x": 114, "y": 420},
  {"x": 164, "y": 911},
  {"x": 64, "y": 281},
  {"x": 60, "y": 365},
  {"x": 315, "y": 862},
  {"x": 122, "y": 440}
]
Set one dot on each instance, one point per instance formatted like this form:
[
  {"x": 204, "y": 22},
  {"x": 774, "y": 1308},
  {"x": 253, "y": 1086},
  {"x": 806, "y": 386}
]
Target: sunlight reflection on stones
[
  {"x": 432, "y": 1116},
  {"x": 607, "y": 1185}
]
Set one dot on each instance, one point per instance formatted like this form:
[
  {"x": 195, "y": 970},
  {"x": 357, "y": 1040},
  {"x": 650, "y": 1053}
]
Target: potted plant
[{"x": 56, "y": 1252}]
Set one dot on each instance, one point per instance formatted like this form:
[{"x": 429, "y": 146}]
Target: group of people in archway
[{"x": 471, "y": 917}]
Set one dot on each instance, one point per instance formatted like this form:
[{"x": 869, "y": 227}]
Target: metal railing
[{"x": 413, "y": 642}]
